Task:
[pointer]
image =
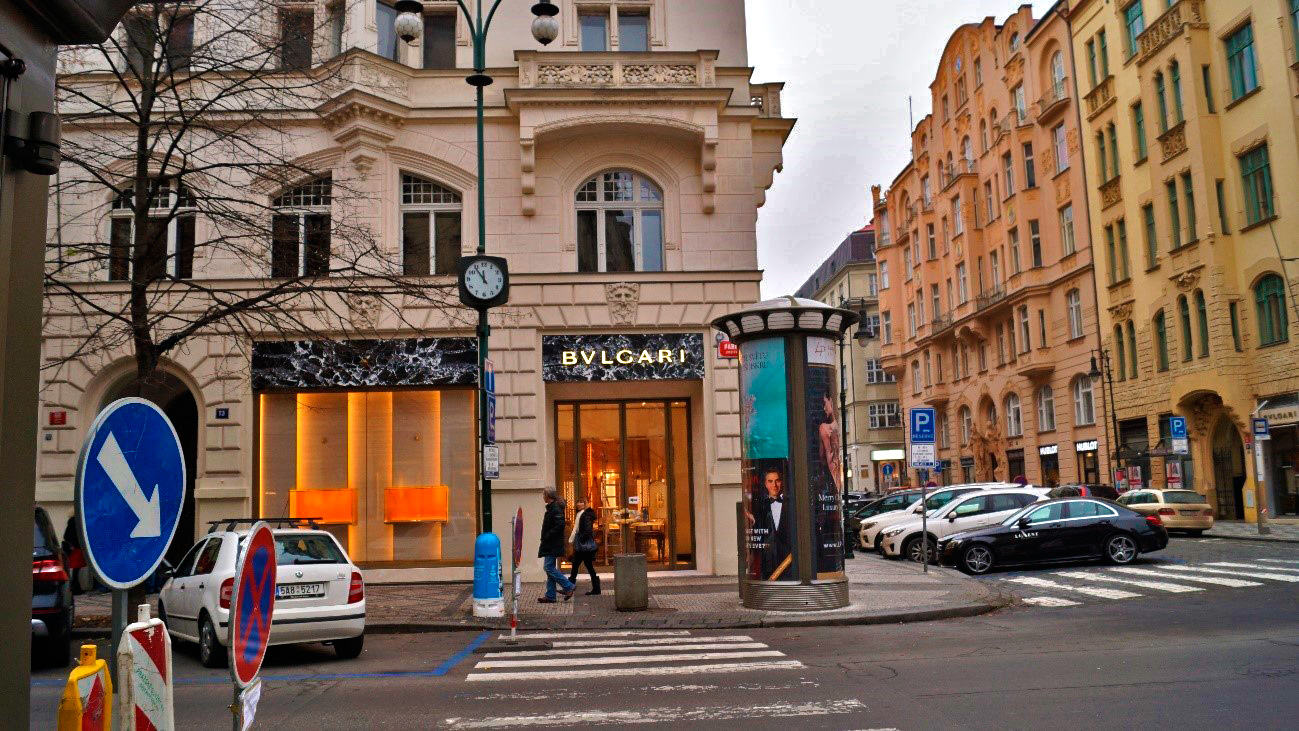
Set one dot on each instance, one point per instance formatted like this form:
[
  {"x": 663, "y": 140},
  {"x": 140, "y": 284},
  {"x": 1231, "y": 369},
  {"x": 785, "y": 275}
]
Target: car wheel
[
  {"x": 210, "y": 650},
  {"x": 879, "y": 544},
  {"x": 977, "y": 559},
  {"x": 914, "y": 550},
  {"x": 350, "y": 648},
  {"x": 1120, "y": 549}
]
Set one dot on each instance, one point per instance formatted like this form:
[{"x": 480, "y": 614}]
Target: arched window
[
  {"x": 1161, "y": 341},
  {"x": 1014, "y": 42},
  {"x": 1014, "y": 420},
  {"x": 169, "y": 240},
  {"x": 1273, "y": 322},
  {"x": 430, "y": 227},
  {"x": 1122, "y": 351},
  {"x": 967, "y": 151},
  {"x": 967, "y": 424},
  {"x": 1132, "y": 350},
  {"x": 619, "y": 224},
  {"x": 1045, "y": 409},
  {"x": 915, "y": 376},
  {"x": 983, "y": 135},
  {"x": 1057, "y": 73},
  {"x": 1202, "y": 310},
  {"x": 992, "y": 414},
  {"x": 300, "y": 230},
  {"x": 1184, "y": 312},
  {"x": 1084, "y": 407}
]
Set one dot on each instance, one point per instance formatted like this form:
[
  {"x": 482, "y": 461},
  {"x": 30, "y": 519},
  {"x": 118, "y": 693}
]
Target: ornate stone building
[{"x": 625, "y": 167}]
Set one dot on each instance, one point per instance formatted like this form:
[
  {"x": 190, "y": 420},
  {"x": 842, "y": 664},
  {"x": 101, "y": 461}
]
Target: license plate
[
  {"x": 298, "y": 591},
  {"x": 1189, "y": 512}
]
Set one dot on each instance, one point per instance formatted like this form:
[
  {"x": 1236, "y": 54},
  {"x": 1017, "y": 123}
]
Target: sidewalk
[
  {"x": 880, "y": 591},
  {"x": 1287, "y": 532}
]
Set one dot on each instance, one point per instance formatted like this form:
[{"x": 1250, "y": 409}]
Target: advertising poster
[
  {"x": 764, "y": 429},
  {"x": 825, "y": 457}
]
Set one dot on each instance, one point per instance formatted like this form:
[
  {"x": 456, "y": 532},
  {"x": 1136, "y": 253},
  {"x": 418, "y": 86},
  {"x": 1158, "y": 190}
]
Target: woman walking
[
  {"x": 552, "y": 547},
  {"x": 584, "y": 547}
]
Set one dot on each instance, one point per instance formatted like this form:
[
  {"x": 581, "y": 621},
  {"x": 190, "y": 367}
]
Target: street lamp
[
  {"x": 545, "y": 28},
  {"x": 1101, "y": 370},
  {"x": 865, "y": 333}
]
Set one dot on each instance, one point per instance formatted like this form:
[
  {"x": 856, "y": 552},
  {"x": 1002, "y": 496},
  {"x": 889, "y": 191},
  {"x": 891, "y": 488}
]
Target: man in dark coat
[
  {"x": 552, "y": 547},
  {"x": 774, "y": 521}
]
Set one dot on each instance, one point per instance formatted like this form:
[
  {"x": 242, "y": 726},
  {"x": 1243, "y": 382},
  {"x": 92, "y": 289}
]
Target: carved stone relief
[{"x": 623, "y": 299}]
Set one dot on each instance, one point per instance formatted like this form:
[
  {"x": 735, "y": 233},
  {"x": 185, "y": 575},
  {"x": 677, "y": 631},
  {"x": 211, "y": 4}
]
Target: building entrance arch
[{"x": 1228, "y": 470}]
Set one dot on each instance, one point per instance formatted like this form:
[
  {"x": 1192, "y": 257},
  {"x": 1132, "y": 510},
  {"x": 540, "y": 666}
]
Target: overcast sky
[{"x": 848, "y": 67}]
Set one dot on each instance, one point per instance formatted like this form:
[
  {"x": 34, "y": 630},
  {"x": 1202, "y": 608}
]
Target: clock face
[{"x": 484, "y": 280}]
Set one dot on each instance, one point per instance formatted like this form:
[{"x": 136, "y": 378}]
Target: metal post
[
  {"x": 843, "y": 444},
  {"x": 121, "y": 603},
  {"x": 924, "y": 522},
  {"x": 1114, "y": 413}
]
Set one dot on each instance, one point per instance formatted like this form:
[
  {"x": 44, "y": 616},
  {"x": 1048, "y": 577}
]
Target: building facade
[
  {"x": 987, "y": 304},
  {"x": 849, "y": 278},
  {"x": 625, "y": 167},
  {"x": 1190, "y": 115}
]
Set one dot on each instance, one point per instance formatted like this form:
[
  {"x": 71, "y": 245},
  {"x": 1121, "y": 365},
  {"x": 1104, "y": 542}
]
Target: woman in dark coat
[
  {"x": 584, "y": 547},
  {"x": 552, "y": 547}
]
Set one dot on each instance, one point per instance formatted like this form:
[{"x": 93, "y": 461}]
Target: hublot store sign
[{"x": 640, "y": 357}]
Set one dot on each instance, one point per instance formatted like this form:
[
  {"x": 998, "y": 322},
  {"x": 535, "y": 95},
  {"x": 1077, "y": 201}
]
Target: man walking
[{"x": 552, "y": 547}]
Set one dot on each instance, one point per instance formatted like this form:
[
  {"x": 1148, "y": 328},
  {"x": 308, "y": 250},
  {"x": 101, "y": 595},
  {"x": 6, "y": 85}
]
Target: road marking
[
  {"x": 569, "y": 675},
  {"x": 556, "y": 635},
  {"x": 1250, "y": 574},
  {"x": 1088, "y": 590},
  {"x": 671, "y": 715},
  {"x": 1217, "y": 580},
  {"x": 1049, "y": 601},
  {"x": 677, "y": 657},
  {"x": 655, "y": 648},
  {"x": 658, "y": 641},
  {"x": 1157, "y": 585},
  {"x": 1256, "y": 567},
  {"x": 1278, "y": 560}
]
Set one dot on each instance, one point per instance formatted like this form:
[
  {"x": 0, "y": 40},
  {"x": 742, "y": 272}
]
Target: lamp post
[
  {"x": 1101, "y": 359},
  {"x": 864, "y": 335},
  {"x": 545, "y": 28}
]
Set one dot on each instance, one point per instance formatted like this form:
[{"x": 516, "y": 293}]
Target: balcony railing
[
  {"x": 633, "y": 70},
  {"x": 1169, "y": 26},
  {"x": 1100, "y": 98},
  {"x": 948, "y": 174},
  {"x": 1173, "y": 142},
  {"x": 989, "y": 298},
  {"x": 1052, "y": 100},
  {"x": 940, "y": 323}
]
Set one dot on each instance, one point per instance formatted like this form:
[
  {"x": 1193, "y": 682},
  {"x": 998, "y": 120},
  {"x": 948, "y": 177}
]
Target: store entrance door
[{"x": 630, "y": 460}]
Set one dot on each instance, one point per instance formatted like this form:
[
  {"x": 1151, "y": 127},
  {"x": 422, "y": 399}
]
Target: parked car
[
  {"x": 1077, "y": 490},
  {"x": 1184, "y": 510},
  {"x": 855, "y": 500},
  {"x": 319, "y": 593},
  {"x": 871, "y": 530},
  {"x": 972, "y": 510},
  {"x": 886, "y": 504},
  {"x": 52, "y": 602},
  {"x": 1064, "y": 529}
]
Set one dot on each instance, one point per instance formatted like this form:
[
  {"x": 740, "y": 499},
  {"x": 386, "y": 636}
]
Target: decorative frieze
[
  {"x": 660, "y": 75},
  {"x": 1173, "y": 142},
  {"x": 1111, "y": 193}
]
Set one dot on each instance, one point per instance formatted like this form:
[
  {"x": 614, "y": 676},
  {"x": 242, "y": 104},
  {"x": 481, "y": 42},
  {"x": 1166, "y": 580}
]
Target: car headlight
[
  {"x": 893, "y": 532},
  {"x": 867, "y": 526}
]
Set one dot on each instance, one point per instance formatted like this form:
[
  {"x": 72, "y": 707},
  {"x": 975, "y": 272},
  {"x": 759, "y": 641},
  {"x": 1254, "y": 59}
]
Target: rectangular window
[
  {"x": 978, "y": 70},
  {"x": 1256, "y": 177},
  {"x": 588, "y": 241},
  {"x": 1041, "y": 328},
  {"x": 180, "y": 42},
  {"x": 1015, "y": 266},
  {"x": 1091, "y": 62},
  {"x": 1161, "y": 342},
  {"x": 1035, "y": 242},
  {"x": 1102, "y": 48},
  {"x": 430, "y": 242},
  {"x": 1111, "y": 255},
  {"x": 619, "y": 241},
  {"x": 1001, "y": 344},
  {"x": 295, "y": 39},
  {"x": 1208, "y": 88},
  {"x": 958, "y": 220},
  {"x": 1135, "y": 21},
  {"x": 884, "y": 275},
  {"x": 962, "y": 284},
  {"x": 886, "y": 326},
  {"x": 1139, "y": 128},
  {"x": 1021, "y": 105},
  {"x": 1188, "y": 192},
  {"x": 1174, "y": 216},
  {"x": 385, "y": 20},
  {"x": 440, "y": 41},
  {"x": 1221, "y": 189},
  {"x": 1294, "y": 25},
  {"x": 1061, "y": 148},
  {"x": 633, "y": 32},
  {"x": 1175, "y": 75},
  {"x": 119, "y": 256},
  {"x": 1152, "y": 240},
  {"x": 1102, "y": 171},
  {"x": 883, "y": 415},
  {"x": 1030, "y": 172},
  {"x": 595, "y": 31},
  {"x": 989, "y": 214},
  {"x": 1008, "y": 166},
  {"x": 911, "y": 319},
  {"x": 872, "y": 285},
  {"x": 1025, "y": 331},
  {"x": 1234, "y": 311},
  {"x": 1161, "y": 93},
  {"x": 935, "y": 301},
  {"x": 932, "y": 241},
  {"x": 1241, "y": 64},
  {"x": 1123, "y": 248},
  {"x": 1114, "y": 151},
  {"x": 1067, "y": 241}
]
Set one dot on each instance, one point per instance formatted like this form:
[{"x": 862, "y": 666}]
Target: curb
[{"x": 1256, "y": 539}]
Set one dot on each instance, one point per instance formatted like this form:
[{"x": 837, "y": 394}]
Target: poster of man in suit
[{"x": 764, "y": 425}]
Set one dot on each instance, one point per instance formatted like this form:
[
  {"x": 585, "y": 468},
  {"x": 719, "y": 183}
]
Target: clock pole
[{"x": 484, "y": 330}]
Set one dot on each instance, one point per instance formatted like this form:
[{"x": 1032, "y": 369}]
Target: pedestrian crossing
[
  {"x": 589, "y": 655},
  {"x": 1071, "y": 587}
]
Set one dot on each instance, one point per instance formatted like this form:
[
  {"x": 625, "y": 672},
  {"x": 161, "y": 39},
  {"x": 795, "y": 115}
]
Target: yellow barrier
[{"x": 88, "y": 697}]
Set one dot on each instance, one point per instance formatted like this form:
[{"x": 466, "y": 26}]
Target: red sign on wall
[
  {"x": 727, "y": 349},
  {"x": 58, "y": 418}
]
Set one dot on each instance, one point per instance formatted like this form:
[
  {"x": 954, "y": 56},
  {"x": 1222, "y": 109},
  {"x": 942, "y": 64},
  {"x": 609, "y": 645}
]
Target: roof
[{"x": 858, "y": 247}]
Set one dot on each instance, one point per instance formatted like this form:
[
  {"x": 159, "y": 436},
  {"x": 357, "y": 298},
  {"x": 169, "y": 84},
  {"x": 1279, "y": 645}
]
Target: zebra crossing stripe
[
  {"x": 1156, "y": 585},
  {"x": 1049, "y": 601},
  {"x": 677, "y": 657},
  {"x": 626, "y": 650},
  {"x": 1097, "y": 591},
  {"x": 1250, "y": 574},
  {"x": 1215, "y": 580},
  {"x": 601, "y": 644},
  {"x": 1278, "y": 560},
  {"x": 1256, "y": 567},
  {"x": 568, "y": 675},
  {"x": 557, "y": 635}
]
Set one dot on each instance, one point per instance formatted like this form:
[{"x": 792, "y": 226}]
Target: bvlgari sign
[{"x": 639, "y": 357}]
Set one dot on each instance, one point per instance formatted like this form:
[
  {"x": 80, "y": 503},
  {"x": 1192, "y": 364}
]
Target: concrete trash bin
[{"x": 630, "y": 582}]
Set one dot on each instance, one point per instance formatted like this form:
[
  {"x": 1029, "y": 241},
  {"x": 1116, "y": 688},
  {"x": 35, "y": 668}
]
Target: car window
[
  {"x": 40, "y": 546},
  {"x": 208, "y": 558},
  {"x": 1047, "y": 513},
  {"x": 972, "y": 506},
  {"x": 1007, "y": 502},
  {"x": 186, "y": 564},
  {"x": 298, "y": 549},
  {"x": 1183, "y": 497},
  {"x": 937, "y": 501},
  {"x": 1088, "y": 509}
]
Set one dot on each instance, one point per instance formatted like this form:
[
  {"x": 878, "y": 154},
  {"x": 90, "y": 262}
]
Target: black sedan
[
  {"x": 1066, "y": 529},
  {"x": 52, "y": 607},
  {"x": 888, "y": 503}
]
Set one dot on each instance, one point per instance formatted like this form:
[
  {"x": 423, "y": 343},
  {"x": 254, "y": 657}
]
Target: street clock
[{"x": 484, "y": 281}]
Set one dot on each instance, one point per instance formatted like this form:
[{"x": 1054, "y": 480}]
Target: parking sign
[{"x": 923, "y": 426}]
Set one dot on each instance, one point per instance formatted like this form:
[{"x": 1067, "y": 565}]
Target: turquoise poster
[{"x": 765, "y": 408}]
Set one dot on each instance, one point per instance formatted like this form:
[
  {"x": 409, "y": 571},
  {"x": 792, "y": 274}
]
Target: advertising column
[
  {"x": 824, "y": 457},
  {"x": 764, "y": 424}
]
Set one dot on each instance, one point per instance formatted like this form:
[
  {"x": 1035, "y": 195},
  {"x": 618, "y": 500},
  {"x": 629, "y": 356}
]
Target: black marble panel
[
  {"x": 307, "y": 364},
  {"x": 656, "y": 357}
]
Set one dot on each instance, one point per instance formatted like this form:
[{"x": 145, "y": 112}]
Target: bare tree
[{"x": 181, "y": 186}]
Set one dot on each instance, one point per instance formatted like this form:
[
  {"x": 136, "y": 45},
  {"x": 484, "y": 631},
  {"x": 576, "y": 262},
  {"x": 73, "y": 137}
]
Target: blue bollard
[{"x": 489, "y": 598}]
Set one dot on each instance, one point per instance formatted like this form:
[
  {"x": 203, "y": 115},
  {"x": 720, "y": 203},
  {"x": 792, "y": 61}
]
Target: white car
[
  {"x": 972, "y": 510},
  {"x": 872, "y": 530},
  {"x": 319, "y": 593}
]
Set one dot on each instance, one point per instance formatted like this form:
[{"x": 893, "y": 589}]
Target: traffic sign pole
[{"x": 924, "y": 454}]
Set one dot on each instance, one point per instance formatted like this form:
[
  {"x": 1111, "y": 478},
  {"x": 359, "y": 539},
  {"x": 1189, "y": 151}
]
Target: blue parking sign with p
[
  {"x": 1177, "y": 427},
  {"x": 923, "y": 426}
]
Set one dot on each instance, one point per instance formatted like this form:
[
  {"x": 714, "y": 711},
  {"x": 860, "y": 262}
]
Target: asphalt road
[{"x": 1215, "y": 646}]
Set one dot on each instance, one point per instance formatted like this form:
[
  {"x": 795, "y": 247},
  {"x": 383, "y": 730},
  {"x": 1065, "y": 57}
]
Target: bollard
[
  {"x": 630, "y": 582},
  {"x": 87, "y": 701},
  {"x": 488, "y": 598}
]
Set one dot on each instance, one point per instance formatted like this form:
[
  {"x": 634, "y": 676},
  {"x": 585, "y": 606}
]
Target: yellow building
[{"x": 1189, "y": 128}]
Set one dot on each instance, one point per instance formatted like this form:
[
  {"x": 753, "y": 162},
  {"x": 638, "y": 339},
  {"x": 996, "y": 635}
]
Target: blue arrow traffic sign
[{"x": 129, "y": 491}]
